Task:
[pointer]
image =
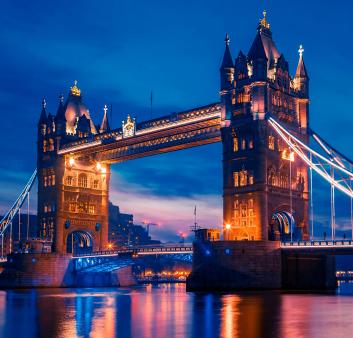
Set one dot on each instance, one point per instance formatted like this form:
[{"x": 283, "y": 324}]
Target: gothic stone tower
[
  {"x": 265, "y": 185},
  {"x": 72, "y": 192}
]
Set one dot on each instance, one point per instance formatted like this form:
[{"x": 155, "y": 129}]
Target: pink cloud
[{"x": 174, "y": 214}]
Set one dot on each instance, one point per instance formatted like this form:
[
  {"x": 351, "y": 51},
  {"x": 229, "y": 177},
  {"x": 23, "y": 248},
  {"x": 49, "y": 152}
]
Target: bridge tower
[
  {"x": 73, "y": 191},
  {"x": 265, "y": 192}
]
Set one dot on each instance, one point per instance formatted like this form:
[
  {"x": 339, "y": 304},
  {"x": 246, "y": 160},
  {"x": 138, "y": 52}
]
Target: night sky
[{"x": 121, "y": 50}]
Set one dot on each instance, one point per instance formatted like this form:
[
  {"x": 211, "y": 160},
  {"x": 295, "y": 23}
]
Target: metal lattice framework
[
  {"x": 334, "y": 167},
  {"x": 8, "y": 218}
]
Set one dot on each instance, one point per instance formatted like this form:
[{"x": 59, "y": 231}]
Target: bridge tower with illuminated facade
[
  {"x": 72, "y": 193},
  {"x": 265, "y": 185}
]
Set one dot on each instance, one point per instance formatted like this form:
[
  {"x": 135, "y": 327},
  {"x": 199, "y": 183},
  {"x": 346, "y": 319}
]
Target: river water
[{"x": 167, "y": 310}]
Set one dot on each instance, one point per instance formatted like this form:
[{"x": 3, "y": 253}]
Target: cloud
[{"x": 173, "y": 213}]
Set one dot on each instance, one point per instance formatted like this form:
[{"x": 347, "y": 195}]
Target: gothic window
[
  {"x": 236, "y": 213},
  {"x": 271, "y": 142},
  {"x": 251, "y": 178},
  {"x": 243, "y": 223},
  {"x": 235, "y": 144},
  {"x": 243, "y": 144},
  {"x": 51, "y": 144},
  {"x": 243, "y": 178},
  {"x": 72, "y": 207},
  {"x": 243, "y": 210},
  {"x": 91, "y": 209},
  {"x": 236, "y": 179},
  {"x": 69, "y": 180},
  {"x": 95, "y": 184},
  {"x": 44, "y": 146},
  {"x": 45, "y": 181},
  {"x": 82, "y": 180},
  {"x": 236, "y": 204},
  {"x": 251, "y": 143},
  {"x": 45, "y": 208},
  {"x": 52, "y": 179},
  {"x": 83, "y": 207},
  {"x": 251, "y": 203}
]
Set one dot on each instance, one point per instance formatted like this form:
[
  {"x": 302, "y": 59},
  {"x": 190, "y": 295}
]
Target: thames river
[{"x": 167, "y": 310}]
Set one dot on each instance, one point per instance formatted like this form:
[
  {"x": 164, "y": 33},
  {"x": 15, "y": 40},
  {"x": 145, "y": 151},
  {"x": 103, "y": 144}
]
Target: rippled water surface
[{"x": 168, "y": 311}]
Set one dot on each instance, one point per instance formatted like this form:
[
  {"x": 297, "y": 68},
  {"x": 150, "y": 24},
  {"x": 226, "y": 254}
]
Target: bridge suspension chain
[
  {"x": 6, "y": 221},
  {"x": 337, "y": 174}
]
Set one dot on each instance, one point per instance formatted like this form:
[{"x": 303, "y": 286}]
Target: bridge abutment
[
  {"x": 57, "y": 270},
  {"x": 256, "y": 265}
]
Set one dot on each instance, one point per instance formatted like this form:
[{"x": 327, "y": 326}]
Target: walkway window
[{"x": 82, "y": 180}]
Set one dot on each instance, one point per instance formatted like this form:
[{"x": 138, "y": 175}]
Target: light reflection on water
[{"x": 168, "y": 311}]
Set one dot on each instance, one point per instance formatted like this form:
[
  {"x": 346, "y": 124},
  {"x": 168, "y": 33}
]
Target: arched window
[
  {"x": 69, "y": 180},
  {"x": 82, "y": 180}
]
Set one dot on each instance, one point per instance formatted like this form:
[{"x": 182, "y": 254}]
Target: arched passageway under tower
[{"x": 79, "y": 241}]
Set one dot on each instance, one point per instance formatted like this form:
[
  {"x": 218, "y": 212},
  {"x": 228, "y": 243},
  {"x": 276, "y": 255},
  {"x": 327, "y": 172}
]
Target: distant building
[{"x": 123, "y": 232}]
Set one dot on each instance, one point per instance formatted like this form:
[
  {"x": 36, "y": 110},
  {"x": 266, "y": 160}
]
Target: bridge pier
[
  {"x": 246, "y": 265},
  {"x": 57, "y": 270}
]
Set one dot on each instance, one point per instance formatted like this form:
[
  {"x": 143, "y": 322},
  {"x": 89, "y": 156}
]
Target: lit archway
[
  {"x": 283, "y": 226},
  {"x": 79, "y": 242}
]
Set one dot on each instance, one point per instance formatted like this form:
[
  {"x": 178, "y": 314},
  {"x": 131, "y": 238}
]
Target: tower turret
[
  {"x": 227, "y": 67},
  {"x": 60, "y": 119},
  {"x": 258, "y": 57},
  {"x": 105, "y": 123},
  {"x": 301, "y": 78},
  {"x": 43, "y": 119}
]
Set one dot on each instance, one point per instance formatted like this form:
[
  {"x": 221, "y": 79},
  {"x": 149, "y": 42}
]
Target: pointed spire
[
  {"x": 60, "y": 113},
  {"x": 257, "y": 50},
  {"x": 227, "y": 57},
  {"x": 43, "y": 115},
  {"x": 105, "y": 123},
  {"x": 301, "y": 69}
]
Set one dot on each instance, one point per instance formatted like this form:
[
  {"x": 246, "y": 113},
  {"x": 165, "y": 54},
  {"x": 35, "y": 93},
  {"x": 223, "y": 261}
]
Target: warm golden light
[
  {"x": 227, "y": 226},
  {"x": 98, "y": 166},
  {"x": 71, "y": 161},
  {"x": 104, "y": 170}
]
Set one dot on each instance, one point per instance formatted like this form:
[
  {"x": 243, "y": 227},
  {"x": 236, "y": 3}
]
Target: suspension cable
[
  {"x": 27, "y": 233},
  {"x": 311, "y": 200},
  {"x": 289, "y": 138},
  {"x": 333, "y": 220}
]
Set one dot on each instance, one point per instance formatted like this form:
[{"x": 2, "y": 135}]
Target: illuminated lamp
[
  {"x": 71, "y": 161},
  {"x": 99, "y": 166},
  {"x": 104, "y": 170},
  {"x": 227, "y": 226}
]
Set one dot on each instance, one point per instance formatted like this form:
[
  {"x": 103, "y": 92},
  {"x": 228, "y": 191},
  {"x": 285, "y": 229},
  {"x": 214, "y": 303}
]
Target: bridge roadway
[
  {"x": 140, "y": 251},
  {"x": 336, "y": 247}
]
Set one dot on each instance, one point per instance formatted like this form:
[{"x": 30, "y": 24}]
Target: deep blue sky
[{"x": 120, "y": 50}]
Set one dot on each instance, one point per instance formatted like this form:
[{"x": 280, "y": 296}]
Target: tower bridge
[{"x": 262, "y": 121}]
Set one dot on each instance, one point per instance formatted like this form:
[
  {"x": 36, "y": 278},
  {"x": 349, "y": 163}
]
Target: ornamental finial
[
  {"x": 301, "y": 51},
  {"x": 105, "y": 109},
  {"x": 263, "y": 21},
  {"x": 44, "y": 103},
  {"x": 61, "y": 98},
  {"x": 227, "y": 39},
  {"x": 74, "y": 90}
]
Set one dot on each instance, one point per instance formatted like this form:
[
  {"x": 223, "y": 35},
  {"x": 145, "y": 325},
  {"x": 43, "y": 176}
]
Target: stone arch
[{"x": 79, "y": 241}]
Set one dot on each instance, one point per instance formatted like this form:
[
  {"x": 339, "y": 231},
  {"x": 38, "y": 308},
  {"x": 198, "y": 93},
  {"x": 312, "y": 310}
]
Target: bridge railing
[
  {"x": 139, "y": 251},
  {"x": 317, "y": 243}
]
